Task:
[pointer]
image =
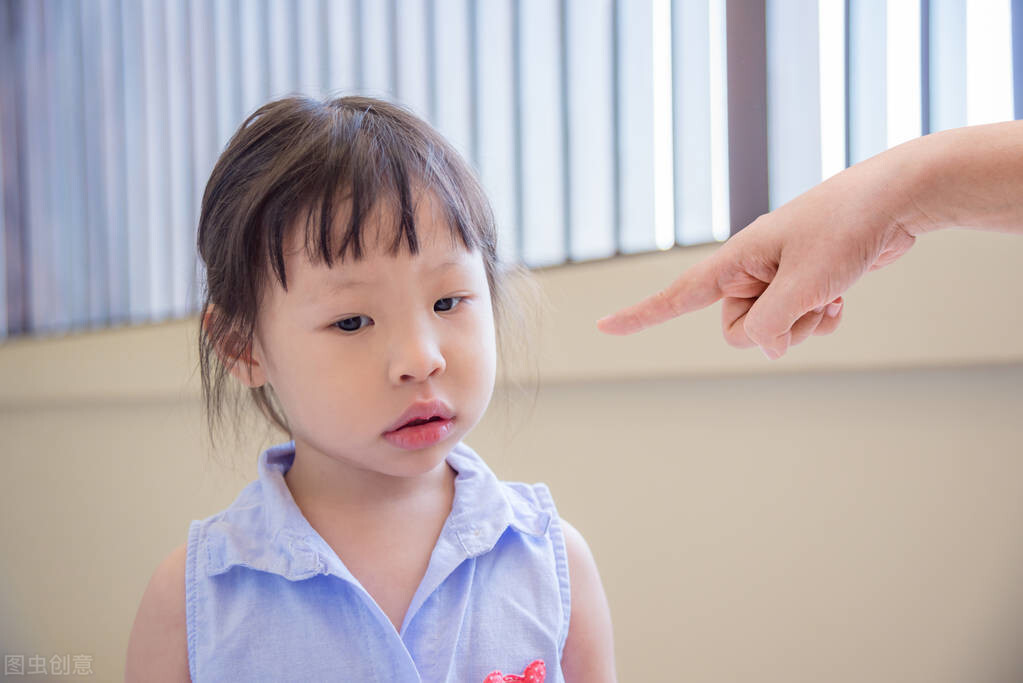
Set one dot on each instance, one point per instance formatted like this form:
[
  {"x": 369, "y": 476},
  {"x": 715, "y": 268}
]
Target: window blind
[{"x": 598, "y": 127}]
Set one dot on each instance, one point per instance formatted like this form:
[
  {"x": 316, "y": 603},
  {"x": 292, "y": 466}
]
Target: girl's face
[{"x": 350, "y": 349}]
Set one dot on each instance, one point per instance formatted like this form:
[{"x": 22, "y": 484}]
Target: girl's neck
[{"x": 327, "y": 486}]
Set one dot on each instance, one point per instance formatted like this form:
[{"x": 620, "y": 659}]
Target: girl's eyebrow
[
  {"x": 445, "y": 265},
  {"x": 332, "y": 287},
  {"x": 341, "y": 284}
]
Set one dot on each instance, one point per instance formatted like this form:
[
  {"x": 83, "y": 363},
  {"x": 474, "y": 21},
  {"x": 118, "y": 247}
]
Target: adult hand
[{"x": 781, "y": 278}]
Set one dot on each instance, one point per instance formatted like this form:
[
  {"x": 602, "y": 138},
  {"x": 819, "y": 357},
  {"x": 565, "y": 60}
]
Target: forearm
[{"x": 967, "y": 177}]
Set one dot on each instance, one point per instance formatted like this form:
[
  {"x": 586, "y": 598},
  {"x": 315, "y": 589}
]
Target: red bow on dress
[{"x": 534, "y": 673}]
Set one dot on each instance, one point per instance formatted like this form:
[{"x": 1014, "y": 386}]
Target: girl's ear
[{"x": 242, "y": 360}]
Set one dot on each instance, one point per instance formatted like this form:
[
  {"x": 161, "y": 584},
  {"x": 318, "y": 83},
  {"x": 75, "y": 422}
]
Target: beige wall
[{"x": 852, "y": 512}]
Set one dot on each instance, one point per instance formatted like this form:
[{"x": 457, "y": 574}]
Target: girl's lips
[{"x": 420, "y": 436}]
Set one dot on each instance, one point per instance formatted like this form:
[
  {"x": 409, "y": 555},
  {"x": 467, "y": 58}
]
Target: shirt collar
[
  {"x": 484, "y": 507},
  {"x": 264, "y": 529}
]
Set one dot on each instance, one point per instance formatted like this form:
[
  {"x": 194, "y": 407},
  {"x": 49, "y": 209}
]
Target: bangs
[{"x": 356, "y": 163}]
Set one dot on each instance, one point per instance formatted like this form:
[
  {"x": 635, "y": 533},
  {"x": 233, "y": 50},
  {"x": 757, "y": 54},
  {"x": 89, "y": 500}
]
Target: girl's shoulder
[
  {"x": 528, "y": 507},
  {"x": 262, "y": 529},
  {"x": 531, "y": 500}
]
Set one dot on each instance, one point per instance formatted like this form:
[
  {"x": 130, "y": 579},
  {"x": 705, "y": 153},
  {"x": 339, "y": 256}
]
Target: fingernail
[
  {"x": 770, "y": 353},
  {"x": 833, "y": 310}
]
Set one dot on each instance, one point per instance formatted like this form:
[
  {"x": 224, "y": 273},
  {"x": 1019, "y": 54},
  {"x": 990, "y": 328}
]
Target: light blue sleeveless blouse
[{"x": 267, "y": 599}]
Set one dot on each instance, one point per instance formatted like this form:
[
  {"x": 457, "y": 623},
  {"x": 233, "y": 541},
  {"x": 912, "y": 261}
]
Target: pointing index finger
[{"x": 696, "y": 288}]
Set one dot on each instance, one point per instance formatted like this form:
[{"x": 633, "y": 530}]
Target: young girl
[{"x": 353, "y": 285}]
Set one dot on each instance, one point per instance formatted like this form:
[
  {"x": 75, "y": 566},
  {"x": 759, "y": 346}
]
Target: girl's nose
[{"x": 416, "y": 358}]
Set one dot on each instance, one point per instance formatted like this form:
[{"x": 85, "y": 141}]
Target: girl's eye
[
  {"x": 354, "y": 324},
  {"x": 447, "y": 304}
]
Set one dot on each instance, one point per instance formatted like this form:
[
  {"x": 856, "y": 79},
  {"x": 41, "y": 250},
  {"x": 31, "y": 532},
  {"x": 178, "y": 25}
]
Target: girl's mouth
[
  {"x": 416, "y": 423},
  {"x": 420, "y": 433}
]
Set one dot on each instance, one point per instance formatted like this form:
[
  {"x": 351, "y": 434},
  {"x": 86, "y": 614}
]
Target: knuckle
[
  {"x": 669, "y": 302},
  {"x": 753, "y": 329}
]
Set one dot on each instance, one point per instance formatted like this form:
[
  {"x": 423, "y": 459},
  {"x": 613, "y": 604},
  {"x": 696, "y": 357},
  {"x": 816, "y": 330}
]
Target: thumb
[
  {"x": 696, "y": 288},
  {"x": 790, "y": 295}
]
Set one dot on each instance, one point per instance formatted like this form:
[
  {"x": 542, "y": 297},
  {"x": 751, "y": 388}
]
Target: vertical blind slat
[
  {"x": 92, "y": 105},
  {"x": 4, "y": 73},
  {"x": 692, "y": 141},
  {"x": 411, "y": 43},
  {"x": 454, "y": 118},
  {"x": 662, "y": 110},
  {"x": 496, "y": 102},
  {"x": 948, "y": 64},
  {"x": 59, "y": 315},
  {"x": 33, "y": 115},
  {"x": 323, "y": 29},
  {"x": 295, "y": 48},
  {"x": 590, "y": 128},
  {"x": 157, "y": 258},
  {"x": 474, "y": 82},
  {"x": 135, "y": 131},
  {"x": 847, "y": 58},
  {"x": 903, "y": 71},
  {"x": 280, "y": 49},
  {"x": 925, "y": 67},
  {"x": 867, "y": 79},
  {"x": 793, "y": 84},
  {"x": 376, "y": 49},
  {"x": 635, "y": 141},
  {"x": 46, "y": 305},
  {"x": 719, "y": 119},
  {"x": 542, "y": 193},
  {"x": 73, "y": 236},
  {"x": 988, "y": 62},
  {"x": 357, "y": 29},
  {"x": 310, "y": 48},
  {"x": 1017, "y": 57},
  {"x": 114, "y": 158},
  {"x": 10, "y": 275},
  {"x": 563, "y": 121},
  {"x": 180, "y": 133},
  {"x": 517, "y": 129},
  {"x": 342, "y": 45},
  {"x": 227, "y": 58},
  {"x": 204, "y": 120},
  {"x": 832, "y": 33},
  {"x": 250, "y": 34},
  {"x": 392, "y": 45},
  {"x": 747, "y": 113}
]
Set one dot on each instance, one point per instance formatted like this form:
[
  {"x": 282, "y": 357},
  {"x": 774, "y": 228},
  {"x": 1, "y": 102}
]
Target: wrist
[
  {"x": 963, "y": 178},
  {"x": 914, "y": 181}
]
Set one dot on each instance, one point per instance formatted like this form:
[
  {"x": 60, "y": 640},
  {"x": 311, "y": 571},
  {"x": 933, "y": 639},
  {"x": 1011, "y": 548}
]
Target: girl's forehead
[
  {"x": 379, "y": 246},
  {"x": 380, "y": 229},
  {"x": 378, "y": 240},
  {"x": 439, "y": 252}
]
